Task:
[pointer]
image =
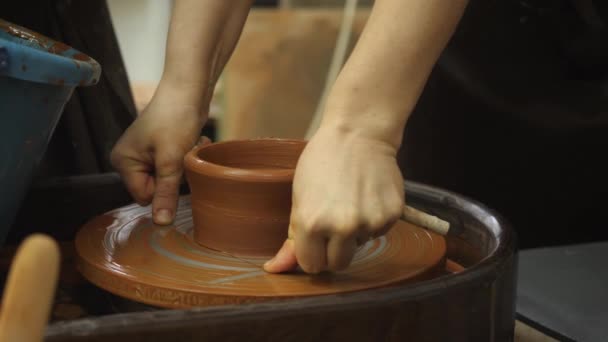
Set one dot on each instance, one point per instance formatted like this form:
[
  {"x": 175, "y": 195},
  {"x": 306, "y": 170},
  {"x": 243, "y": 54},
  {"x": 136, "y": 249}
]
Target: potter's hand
[
  {"x": 149, "y": 156},
  {"x": 347, "y": 186},
  {"x": 201, "y": 38},
  {"x": 348, "y": 189}
]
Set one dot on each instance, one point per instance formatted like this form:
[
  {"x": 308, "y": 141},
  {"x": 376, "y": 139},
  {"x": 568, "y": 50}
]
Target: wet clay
[
  {"x": 81, "y": 57},
  {"x": 241, "y": 194},
  {"x": 452, "y": 266},
  {"x": 125, "y": 253}
]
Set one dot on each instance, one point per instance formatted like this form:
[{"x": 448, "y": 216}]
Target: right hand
[{"x": 149, "y": 155}]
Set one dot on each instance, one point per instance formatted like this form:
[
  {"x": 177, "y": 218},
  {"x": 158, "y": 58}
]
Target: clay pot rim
[{"x": 193, "y": 163}]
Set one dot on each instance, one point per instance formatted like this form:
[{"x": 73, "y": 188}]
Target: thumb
[
  {"x": 203, "y": 140},
  {"x": 164, "y": 204},
  {"x": 284, "y": 261}
]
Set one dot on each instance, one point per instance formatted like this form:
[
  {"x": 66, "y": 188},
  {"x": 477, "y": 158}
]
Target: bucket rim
[{"x": 31, "y": 56}]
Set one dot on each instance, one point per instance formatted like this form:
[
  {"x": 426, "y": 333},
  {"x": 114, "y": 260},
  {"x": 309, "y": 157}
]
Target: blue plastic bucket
[{"x": 37, "y": 77}]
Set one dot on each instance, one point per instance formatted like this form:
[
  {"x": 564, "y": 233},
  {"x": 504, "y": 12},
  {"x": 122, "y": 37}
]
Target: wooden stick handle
[
  {"x": 424, "y": 220},
  {"x": 30, "y": 290}
]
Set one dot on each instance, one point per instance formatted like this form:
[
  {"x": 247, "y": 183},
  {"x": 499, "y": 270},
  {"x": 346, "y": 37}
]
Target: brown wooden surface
[
  {"x": 525, "y": 333},
  {"x": 277, "y": 72}
]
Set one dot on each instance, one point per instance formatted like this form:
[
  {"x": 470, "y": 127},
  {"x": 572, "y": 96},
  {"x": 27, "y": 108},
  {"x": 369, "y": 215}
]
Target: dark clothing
[
  {"x": 95, "y": 117},
  {"x": 515, "y": 115}
]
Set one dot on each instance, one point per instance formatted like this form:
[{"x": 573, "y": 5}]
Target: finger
[
  {"x": 166, "y": 192},
  {"x": 375, "y": 232},
  {"x": 380, "y": 224},
  {"x": 140, "y": 184},
  {"x": 393, "y": 216},
  {"x": 285, "y": 260},
  {"x": 203, "y": 141},
  {"x": 340, "y": 252},
  {"x": 136, "y": 177},
  {"x": 385, "y": 229},
  {"x": 311, "y": 251}
]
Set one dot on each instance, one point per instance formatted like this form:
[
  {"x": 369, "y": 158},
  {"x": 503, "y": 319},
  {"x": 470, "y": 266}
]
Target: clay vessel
[{"x": 241, "y": 194}]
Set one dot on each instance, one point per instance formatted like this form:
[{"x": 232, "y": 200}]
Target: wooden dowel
[
  {"x": 424, "y": 220},
  {"x": 30, "y": 290}
]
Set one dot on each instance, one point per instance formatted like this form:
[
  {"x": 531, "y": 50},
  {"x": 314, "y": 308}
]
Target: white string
[{"x": 350, "y": 7}]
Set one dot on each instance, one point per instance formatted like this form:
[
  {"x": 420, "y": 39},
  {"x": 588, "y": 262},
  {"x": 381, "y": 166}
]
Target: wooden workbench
[{"x": 525, "y": 333}]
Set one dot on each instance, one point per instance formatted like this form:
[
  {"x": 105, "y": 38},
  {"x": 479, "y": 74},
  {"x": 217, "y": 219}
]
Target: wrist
[
  {"x": 367, "y": 119},
  {"x": 358, "y": 131},
  {"x": 194, "y": 95}
]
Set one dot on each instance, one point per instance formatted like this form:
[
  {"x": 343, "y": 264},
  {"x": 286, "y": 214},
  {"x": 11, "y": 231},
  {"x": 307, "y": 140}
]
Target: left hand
[{"x": 347, "y": 190}]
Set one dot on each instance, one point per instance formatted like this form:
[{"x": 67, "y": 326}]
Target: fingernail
[
  {"x": 269, "y": 262},
  {"x": 163, "y": 216}
]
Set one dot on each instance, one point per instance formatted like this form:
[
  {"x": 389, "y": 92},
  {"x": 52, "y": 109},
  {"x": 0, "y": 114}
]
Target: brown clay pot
[{"x": 241, "y": 194}]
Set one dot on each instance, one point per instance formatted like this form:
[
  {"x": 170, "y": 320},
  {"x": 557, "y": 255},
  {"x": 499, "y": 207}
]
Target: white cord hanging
[{"x": 350, "y": 9}]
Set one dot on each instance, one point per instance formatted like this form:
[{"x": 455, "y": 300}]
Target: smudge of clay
[
  {"x": 81, "y": 57},
  {"x": 85, "y": 82},
  {"x": 452, "y": 266},
  {"x": 58, "y": 48}
]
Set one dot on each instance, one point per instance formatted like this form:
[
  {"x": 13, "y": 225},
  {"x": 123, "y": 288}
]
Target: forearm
[
  {"x": 384, "y": 76},
  {"x": 202, "y": 36}
]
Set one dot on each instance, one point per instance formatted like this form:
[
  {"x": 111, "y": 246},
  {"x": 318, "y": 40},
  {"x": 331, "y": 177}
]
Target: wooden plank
[
  {"x": 525, "y": 333},
  {"x": 277, "y": 72}
]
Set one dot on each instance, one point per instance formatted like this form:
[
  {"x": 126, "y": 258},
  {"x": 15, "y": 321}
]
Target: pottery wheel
[{"x": 125, "y": 253}]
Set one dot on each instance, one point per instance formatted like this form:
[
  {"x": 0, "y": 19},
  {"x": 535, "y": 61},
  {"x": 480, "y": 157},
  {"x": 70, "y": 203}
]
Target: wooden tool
[
  {"x": 424, "y": 220},
  {"x": 30, "y": 290}
]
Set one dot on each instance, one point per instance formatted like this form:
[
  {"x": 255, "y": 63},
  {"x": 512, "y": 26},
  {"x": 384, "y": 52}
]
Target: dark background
[{"x": 515, "y": 115}]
